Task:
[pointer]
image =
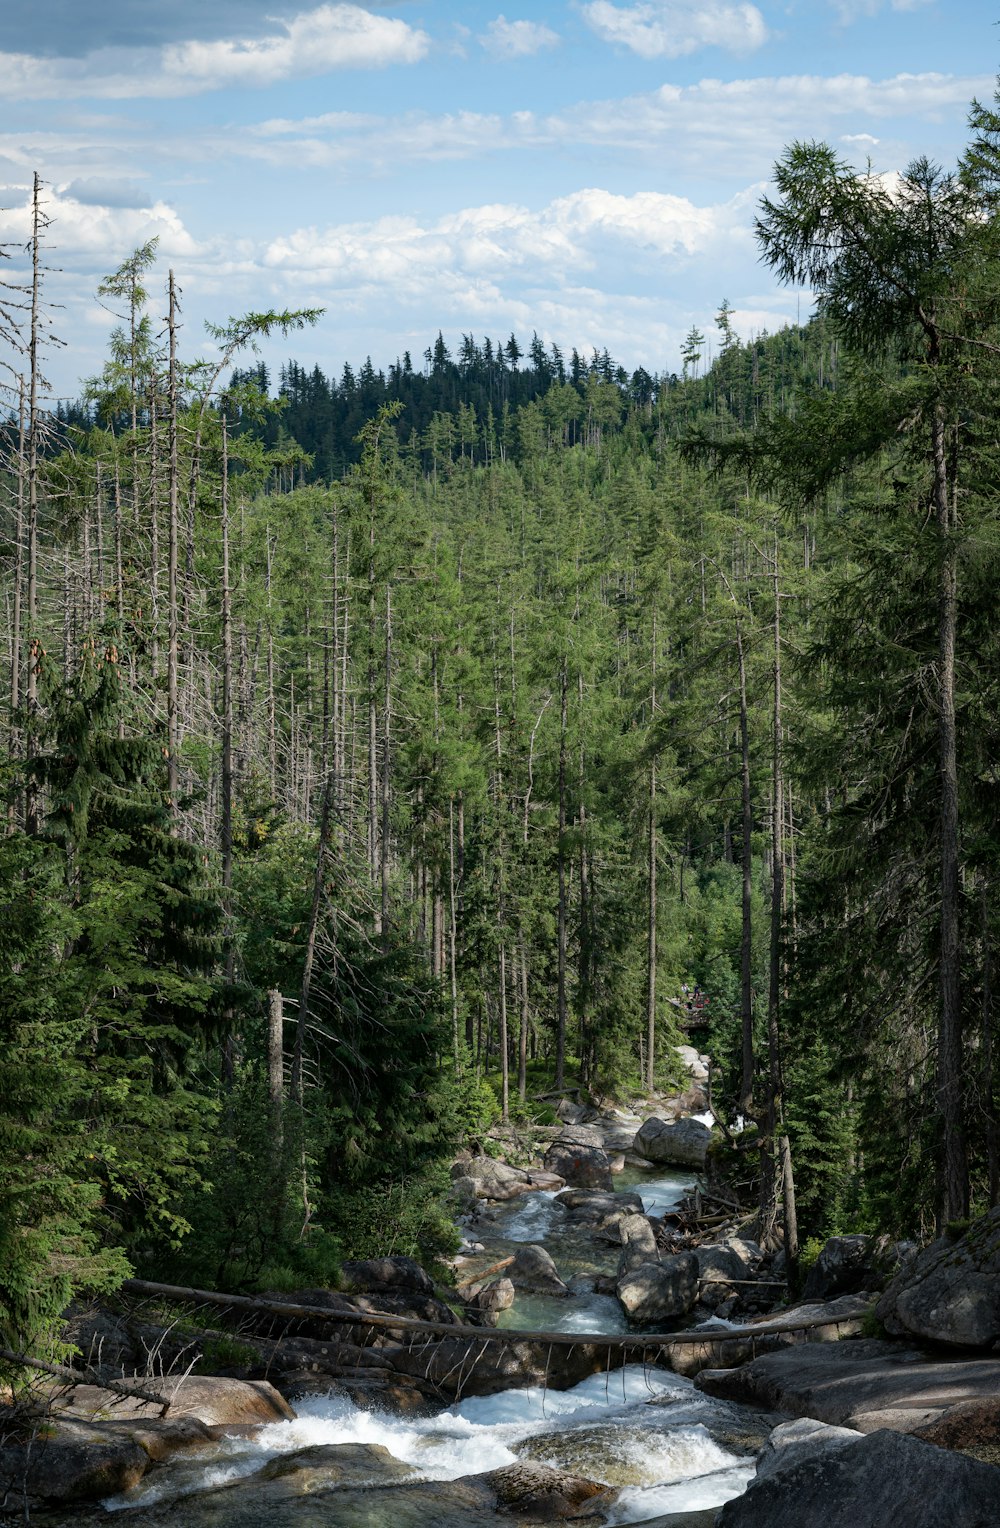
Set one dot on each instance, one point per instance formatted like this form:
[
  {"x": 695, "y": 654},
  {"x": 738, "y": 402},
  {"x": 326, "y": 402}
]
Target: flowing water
[{"x": 648, "y": 1432}]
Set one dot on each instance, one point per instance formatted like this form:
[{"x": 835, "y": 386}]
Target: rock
[
  {"x": 684, "y": 1143},
  {"x": 534, "y": 1271},
  {"x": 225, "y": 1402},
  {"x": 578, "y": 1156},
  {"x": 73, "y": 1460},
  {"x": 719, "y": 1263},
  {"x": 464, "y": 1192},
  {"x": 571, "y": 1113},
  {"x": 497, "y": 1296},
  {"x": 696, "y": 1066},
  {"x": 802, "y": 1439},
  {"x": 863, "y": 1384},
  {"x": 545, "y": 1493},
  {"x": 638, "y": 1243},
  {"x": 847, "y": 1264},
  {"x": 949, "y": 1292},
  {"x": 880, "y": 1480},
  {"x": 386, "y": 1273},
  {"x": 335, "y": 1464},
  {"x": 617, "y": 1164},
  {"x": 597, "y": 1207},
  {"x": 493, "y": 1179},
  {"x": 658, "y": 1293},
  {"x": 538, "y": 1179},
  {"x": 973, "y": 1426}
]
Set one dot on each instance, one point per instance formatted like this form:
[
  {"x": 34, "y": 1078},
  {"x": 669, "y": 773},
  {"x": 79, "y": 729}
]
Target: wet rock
[
  {"x": 658, "y": 1293},
  {"x": 544, "y": 1493},
  {"x": 601, "y": 1212},
  {"x": 534, "y": 1271},
  {"x": 683, "y": 1143},
  {"x": 335, "y": 1464},
  {"x": 882, "y": 1479},
  {"x": 949, "y": 1292},
  {"x": 638, "y": 1243}
]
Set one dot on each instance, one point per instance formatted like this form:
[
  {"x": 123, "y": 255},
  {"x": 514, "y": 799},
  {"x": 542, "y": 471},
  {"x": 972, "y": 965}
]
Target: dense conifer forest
[{"x": 388, "y": 753}]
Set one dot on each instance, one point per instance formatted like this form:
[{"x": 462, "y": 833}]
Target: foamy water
[{"x": 663, "y": 1455}]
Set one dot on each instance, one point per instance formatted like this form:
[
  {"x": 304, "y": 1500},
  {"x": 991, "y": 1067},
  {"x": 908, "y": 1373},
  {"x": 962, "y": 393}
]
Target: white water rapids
[
  {"x": 663, "y": 1455},
  {"x": 647, "y": 1432}
]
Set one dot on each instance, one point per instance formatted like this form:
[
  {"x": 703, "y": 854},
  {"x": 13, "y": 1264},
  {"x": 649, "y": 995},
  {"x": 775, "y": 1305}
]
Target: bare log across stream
[{"x": 509, "y": 1335}]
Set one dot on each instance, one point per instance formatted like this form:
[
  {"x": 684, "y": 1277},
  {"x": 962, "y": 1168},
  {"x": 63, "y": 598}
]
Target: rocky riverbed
[{"x": 334, "y": 1417}]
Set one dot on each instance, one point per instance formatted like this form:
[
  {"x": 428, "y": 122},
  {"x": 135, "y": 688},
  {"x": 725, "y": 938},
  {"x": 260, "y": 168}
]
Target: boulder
[
  {"x": 493, "y": 1179},
  {"x": 949, "y": 1292},
  {"x": 882, "y": 1479},
  {"x": 864, "y": 1384},
  {"x": 659, "y": 1293},
  {"x": 376, "y": 1274},
  {"x": 328, "y": 1465},
  {"x": 683, "y": 1143},
  {"x": 545, "y": 1494},
  {"x": 73, "y": 1460},
  {"x": 804, "y": 1438},
  {"x": 696, "y": 1066},
  {"x": 571, "y": 1113},
  {"x": 534, "y": 1271},
  {"x": 847, "y": 1264},
  {"x": 638, "y": 1243},
  {"x": 601, "y": 1213},
  {"x": 578, "y": 1156},
  {"x": 496, "y": 1297}
]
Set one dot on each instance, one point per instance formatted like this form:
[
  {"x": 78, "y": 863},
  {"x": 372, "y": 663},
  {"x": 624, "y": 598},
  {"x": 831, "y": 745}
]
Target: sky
[{"x": 585, "y": 169}]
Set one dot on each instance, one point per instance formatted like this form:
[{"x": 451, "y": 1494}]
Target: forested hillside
[{"x": 391, "y": 751}]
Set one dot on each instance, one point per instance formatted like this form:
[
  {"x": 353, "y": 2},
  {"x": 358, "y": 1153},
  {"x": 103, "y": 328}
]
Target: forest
[{"x": 387, "y": 754}]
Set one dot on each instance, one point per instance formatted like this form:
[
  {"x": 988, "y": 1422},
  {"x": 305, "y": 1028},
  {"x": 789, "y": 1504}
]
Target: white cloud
[
  {"x": 859, "y": 138},
  {"x": 517, "y": 39},
  {"x": 574, "y": 232},
  {"x": 332, "y": 37},
  {"x": 672, "y": 28},
  {"x": 729, "y": 128},
  {"x": 313, "y": 42}
]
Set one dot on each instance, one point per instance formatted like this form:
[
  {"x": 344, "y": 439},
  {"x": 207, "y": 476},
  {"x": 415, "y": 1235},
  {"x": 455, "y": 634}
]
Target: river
[{"x": 668, "y": 1448}]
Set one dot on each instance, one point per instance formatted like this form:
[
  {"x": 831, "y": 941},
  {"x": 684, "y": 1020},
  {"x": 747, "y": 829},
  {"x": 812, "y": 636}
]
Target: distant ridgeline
[{"x": 499, "y": 400}]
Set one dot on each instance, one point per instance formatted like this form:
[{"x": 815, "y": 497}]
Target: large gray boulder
[
  {"x": 847, "y": 1264},
  {"x": 638, "y": 1243},
  {"x": 659, "y": 1293},
  {"x": 534, "y": 1272},
  {"x": 578, "y": 1156},
  {"x": 791, "y": 1442},
  {"x": 882, "y": 1479},
  {"x": 683, "y": 1143},
  {"x": 950, "y": 1292},
  {"x": 866, "y": 1385},
  {"x": 493, "y": 1179}
]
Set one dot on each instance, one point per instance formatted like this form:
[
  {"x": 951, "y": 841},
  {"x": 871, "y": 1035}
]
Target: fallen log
[
  {"x": 97, "y": 1377},
  {"x": 484, "y": 1273},
  {"x": 510, "y": 1335}
]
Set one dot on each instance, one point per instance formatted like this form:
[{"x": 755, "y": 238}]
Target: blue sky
[{"x": 588, "y": 169}]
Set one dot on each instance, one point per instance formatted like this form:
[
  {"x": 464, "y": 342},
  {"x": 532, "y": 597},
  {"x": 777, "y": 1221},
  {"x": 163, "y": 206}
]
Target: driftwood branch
[
  {"x": 484, "y": 1273},
  {"x": 89, "y": 1376},
  {"x": 509, "y": 1335}
]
